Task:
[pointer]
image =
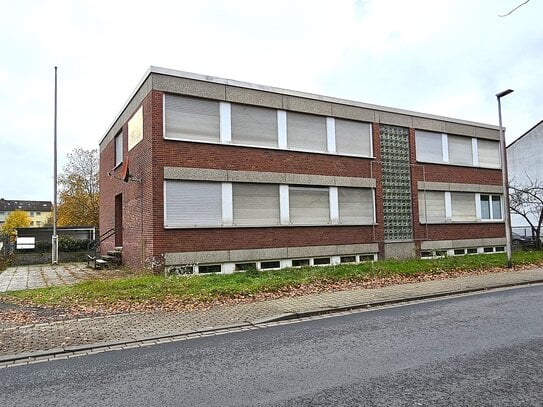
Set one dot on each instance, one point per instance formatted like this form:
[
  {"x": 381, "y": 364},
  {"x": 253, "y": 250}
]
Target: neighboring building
[
  {"x": 38, "y": 211},
  {"x": 226, "y": 175},
  {"x": 525, "y": 165}
]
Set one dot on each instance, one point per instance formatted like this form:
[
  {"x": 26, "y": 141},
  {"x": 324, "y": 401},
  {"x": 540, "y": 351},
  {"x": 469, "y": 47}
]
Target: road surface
[{"x": 484, "y": 349}]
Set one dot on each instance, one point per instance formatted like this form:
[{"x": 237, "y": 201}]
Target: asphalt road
[{"x": 484, "y": 349}]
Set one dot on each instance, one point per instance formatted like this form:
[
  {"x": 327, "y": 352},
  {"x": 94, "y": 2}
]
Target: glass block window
[{"x": 396, "y": 183}]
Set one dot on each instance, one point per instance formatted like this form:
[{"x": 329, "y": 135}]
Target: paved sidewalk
[
  {"x": 45, "y": 275},
  {"x": 71, "y": 335}
]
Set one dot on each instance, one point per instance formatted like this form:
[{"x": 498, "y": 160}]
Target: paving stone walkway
[
  {"x": 45, "y": 275},
  {"x": 65, "y": 335}
]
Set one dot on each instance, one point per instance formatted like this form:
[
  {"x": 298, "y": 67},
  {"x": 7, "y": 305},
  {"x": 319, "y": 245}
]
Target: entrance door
[{"x": 119, "y": 220}]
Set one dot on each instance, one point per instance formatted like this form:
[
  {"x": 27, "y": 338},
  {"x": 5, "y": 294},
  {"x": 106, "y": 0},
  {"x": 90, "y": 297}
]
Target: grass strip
[{"x": 155, "y": 288}]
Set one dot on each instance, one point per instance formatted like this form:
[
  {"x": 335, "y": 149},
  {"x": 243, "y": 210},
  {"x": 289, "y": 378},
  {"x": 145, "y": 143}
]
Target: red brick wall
[
  {"x": 186, "y": 240},
  {"x": 144, "y": 235},
  {"x": 452, "y": 174}
]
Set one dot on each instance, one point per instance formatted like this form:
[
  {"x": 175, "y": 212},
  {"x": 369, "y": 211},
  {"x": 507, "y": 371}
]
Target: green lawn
[{"x": 156, "y": 288}]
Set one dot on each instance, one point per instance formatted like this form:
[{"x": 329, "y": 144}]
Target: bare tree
[
  {"x": 526, "y": 200},
  {"x": 511, "y": 12}
]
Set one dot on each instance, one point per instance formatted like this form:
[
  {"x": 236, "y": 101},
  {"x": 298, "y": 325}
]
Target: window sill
[
  {"x": 267, "y": 226},
  {"x": 463, "y": 222},
  {"x": 218, "y": 143},
  {"x": 458, "y": 165}
]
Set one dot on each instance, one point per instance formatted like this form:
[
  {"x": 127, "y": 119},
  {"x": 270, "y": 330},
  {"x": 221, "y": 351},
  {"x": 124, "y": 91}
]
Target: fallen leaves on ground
[{"x": 27, "y": 314}]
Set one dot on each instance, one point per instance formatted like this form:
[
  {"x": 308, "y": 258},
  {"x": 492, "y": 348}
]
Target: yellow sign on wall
[{"x": 135, "y": 128}]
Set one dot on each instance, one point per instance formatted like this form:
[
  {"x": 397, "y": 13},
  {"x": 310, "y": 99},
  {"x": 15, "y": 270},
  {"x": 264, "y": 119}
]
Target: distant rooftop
[{"x": 34, "y": 206}]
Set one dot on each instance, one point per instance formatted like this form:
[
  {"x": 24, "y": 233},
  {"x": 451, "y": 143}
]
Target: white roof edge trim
[{"x": 223, "y": 81}]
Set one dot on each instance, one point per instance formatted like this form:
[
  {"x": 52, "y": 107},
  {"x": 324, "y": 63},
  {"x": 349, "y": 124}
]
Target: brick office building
[{"x": 226, "y": 175}]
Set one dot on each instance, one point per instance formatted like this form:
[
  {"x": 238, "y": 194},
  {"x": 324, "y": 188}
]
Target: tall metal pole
[
  {"x": 505, "y": 181},
  {"x": 54, "y": 254}
]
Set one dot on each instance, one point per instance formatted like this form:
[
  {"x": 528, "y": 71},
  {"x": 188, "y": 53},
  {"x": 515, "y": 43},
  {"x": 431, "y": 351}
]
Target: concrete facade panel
[
  {"x": 460, "y": 129},
  {"x": 355, "y": 182},
  {"x": 258, "y": 254},
  {"x": 421, "y": 123},
  {"x": 353, "y": 113},
  {"x": 254, "y": 97},
  {"x": 200, "y": 174},
  {"x": 400, "y": 250},
  {"x": 257, "y": 177},
  {"x": 171, "y": 259},
  {"x": 393, "y": 119},
  {"x": 189, "y": 87},
  {"x": 307, "y": 105},
  {"x": 489, "y": 134}
]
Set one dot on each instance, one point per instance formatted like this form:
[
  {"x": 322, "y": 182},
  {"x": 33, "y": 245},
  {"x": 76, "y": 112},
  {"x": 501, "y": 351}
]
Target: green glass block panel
[{"x": 396, "y": 183}]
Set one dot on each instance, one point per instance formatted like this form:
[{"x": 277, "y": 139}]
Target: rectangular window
[
  {"x": 429, "y": 146},
  {"x": 355, "y": 205},
  {"x": 431, "y": 207},
  {"x": 321, "y": 261},
  {"x": 309, "y": 205},
  {"x": 252, "y": 125},
  {"x": 266, "y": 265},
  {"x": 209, "y": 269},
  {"x": 192, "y": 204},
  {"x": 353, "y": 138},
  {"x": 306, "y": 132},
  {"x": 491, "y": 207},
  {"x": 460, "y": 150},
  {"x": 347, "y": 259},
  {"x": 189, "y": 118},
  {"x": 489, "y": 153},
  {"x": 300, "y": 262},
  {"x": 256, "y": 204},
  {"x": 463, "y": 207},
  {"x": 118, "y": 149}
]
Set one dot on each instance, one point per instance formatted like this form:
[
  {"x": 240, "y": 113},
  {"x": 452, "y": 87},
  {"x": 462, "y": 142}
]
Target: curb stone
[{"x": 6, "y": 360}]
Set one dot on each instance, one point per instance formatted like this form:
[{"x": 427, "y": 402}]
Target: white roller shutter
[
  {"x": 355, "y": 206},
  {"x": 432, "y": 207},
  {"x": 189, "y": 118},
  {"x": 309, "y": 205},
  {"x": 252, "y": 125},
  {"x": 353, "y": 137},
  {"x": 306, "y": 132},
  {"x": 256, "y": 204},
  {"x": 460, "y": 150},
  {"x": 192, "y": 204},
  {"x": 489, "y": 153},
  {"x": 429, "y": 146},
  {"x": 463, "y": 207}
]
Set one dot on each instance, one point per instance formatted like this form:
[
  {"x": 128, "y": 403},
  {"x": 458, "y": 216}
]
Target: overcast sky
[{"x": 444, "y": 57}]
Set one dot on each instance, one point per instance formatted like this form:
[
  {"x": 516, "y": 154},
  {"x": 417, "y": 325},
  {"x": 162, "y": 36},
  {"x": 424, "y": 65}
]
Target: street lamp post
[
  {"x": 505, "y": 180},
  {"x": 54, "y": 239}
]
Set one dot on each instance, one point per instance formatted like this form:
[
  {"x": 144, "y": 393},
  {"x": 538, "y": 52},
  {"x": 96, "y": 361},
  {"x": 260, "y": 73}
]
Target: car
[{"x": 521, "y": 240}]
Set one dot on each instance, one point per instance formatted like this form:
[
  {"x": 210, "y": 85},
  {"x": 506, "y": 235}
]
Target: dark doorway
[{"x": 119, "y": 220}]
